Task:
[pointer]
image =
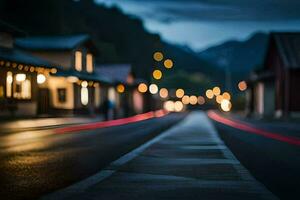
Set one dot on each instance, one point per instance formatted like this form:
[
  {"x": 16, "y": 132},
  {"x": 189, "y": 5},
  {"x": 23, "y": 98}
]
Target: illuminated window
[
  {"x": 1, "y": 91},
  {"x": 84, "y": 93},
  {"x": 9, "y": 81},
  {"x": 89, "y": 63},
  {"x": 78, "y": 60},
  {"x": 21, "y": 86}
]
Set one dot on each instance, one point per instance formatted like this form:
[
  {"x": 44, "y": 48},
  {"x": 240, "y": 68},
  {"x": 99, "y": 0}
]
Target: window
[
  {"x": 89, "y": 63},
  {"x": 61, "y": 94},
  {"x": 84, "y": 93},
  {"x": 21, "y": 86},
  {"x": 78, "y": 61},
  {"x": 9, "y": 81}
]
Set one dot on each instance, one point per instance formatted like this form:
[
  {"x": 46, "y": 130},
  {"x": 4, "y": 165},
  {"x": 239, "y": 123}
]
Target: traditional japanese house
[
  {"x": 20, "y": 74},
  {"x": 125, "y": 95},
  {"x": 76, "y": 88},
  {"x": 274, "y": 89}
]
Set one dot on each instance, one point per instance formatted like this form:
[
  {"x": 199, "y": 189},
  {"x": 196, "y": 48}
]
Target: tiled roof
[
  {"x": 51, "y": 42},
  {"x": 18, "y": 56},
  {"x": 116, "y": 72}
]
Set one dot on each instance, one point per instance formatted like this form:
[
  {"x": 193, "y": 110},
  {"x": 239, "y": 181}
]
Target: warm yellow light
[
  {"x": 193, "y": 100},
  {"x": 9, "y": 81},
  {"x": 153, "y": 89},
  {"x": 219, "y": 99},
  {"x": 163, "y": 93},
  {"x": 169, "y": 106},
  {"x": 157, "y": 74},
  {"x": 201, "y": 100},
  {"x": 41, "y": 78},
  {"x": 209, "y": 94},
  {"x": 120, "y": 88},
  {"x": 53, "y": 71},
  {"x": 185, "y": 99},
  {"x": 158, "y": 56},
  {"x": 84, "y": 84},
  {"x": 21, "y": 77},
  {"x": 89, "y": 63},
  {"x": 216, "y": 91},
  {"x": 72, "y": 79},
  {"x": 226, "y": 105},
  {"x": 78, "y": 60},
  {"x": 168, "y": 63},
  {"x": 142, "y": 88},
  {"x": 84, "y": 96},
  {"x": 179, "y": 93},
  {"x": 178, "y": 106},
  {"x": 242, "y": 86},
  {"x": 226, "y": 95}
]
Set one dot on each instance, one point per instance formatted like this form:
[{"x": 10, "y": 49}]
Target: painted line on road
[
  {"x": 250, "y": 129},
  {"x": 111, "y": 123},
  {"x": 80, "y": 187}
]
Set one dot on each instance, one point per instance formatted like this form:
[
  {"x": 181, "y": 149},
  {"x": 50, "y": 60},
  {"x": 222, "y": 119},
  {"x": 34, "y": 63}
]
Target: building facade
[{"x": 274, "y": 89}]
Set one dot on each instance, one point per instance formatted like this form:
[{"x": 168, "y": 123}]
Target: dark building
[{"x": 274, "y": 89}]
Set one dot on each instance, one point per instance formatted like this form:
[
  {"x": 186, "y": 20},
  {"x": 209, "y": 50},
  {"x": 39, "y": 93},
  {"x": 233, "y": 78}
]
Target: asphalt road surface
[
  {"x": 275, "y": 164},
  {"x": 34, "y": 163}
]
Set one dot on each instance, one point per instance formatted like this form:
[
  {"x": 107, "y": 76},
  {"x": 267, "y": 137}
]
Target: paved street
[
  {"x": 188, "y": 161},
  {"x": 33, "y": 162},
  {"x": 274, "y": 163}
]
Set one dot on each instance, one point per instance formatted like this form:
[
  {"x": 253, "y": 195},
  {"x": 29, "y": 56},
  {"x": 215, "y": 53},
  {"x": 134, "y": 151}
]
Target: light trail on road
[
  {"x": 250, "y": 129},
  {"x": 111, "y": 123}
]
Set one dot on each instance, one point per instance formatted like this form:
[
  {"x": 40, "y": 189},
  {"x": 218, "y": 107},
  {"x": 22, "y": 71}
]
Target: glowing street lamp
[
  {"x": 157, "y": 74},
  {"x": 168, "y": 63},
  {"x": 179, "y": 93},
  {"x": 242, "y": 86},
  {"x": 121, "y": 88},
  {"x": 216, "y": 91},
  {"x": 153, "y": 89},
  {"x": 142, "y": 88},
  {"x": 185, "y": 99},
  {"x": 158, "y": 56},
  {"x": 41, "y": 78},
  {"x": 209, "y": 94},
  {"x": 193, "y": 100},
  {"x": 163, "y": 93},
  {"x": 226, "y": 105}
]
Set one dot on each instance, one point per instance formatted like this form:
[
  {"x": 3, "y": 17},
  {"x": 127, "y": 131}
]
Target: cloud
[{"x": 211, "y": 10}]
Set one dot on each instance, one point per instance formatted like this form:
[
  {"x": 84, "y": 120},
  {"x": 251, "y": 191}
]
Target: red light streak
[
  {"x": 111, "y": 123},
  {"x": 250, "y": 129}
]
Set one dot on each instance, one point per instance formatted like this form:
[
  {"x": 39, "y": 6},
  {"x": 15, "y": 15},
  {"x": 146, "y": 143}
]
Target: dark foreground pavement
[
  {"x": 274, "y": 163},
  {"x": 33, "y": 163},
  {"x": 188, "y": 161}
]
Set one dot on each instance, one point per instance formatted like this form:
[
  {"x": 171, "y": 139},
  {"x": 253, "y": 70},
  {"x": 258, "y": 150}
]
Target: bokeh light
[
  {"x": 226, "y": 95},
  {"x": 168, "y": 63},
  {"x": 209, "y": 94},
  {"x": 185, "y": 99},
  {"x": 201, "y": 100},
  {"x": 178, "y": 106},
  {"x": 219, "y": 99},
  {"x": 142, "y": 88},
  {"x": 169, "y": 106},
  {"x": 216, "y": 91},
  {"x": 158, "y": 56},
  {"x": 41, "y": 78},
  {"x": 193, "y": 100},
  {"x": 157, "y": 74},
  {"x": 242, "y": 86},
  {"x": 153, "y": 89},
  {"x": 226, "y": 105},
  {"x": 179, "y": 93},
  {"x": 120, "y": 88},
  {"x": 163, "y": 93}
]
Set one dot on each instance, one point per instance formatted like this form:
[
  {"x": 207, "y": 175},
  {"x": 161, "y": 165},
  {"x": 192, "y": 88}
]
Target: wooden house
[
  {"x": 74, "y": 89},
  {"x": 274, "y": 89}
]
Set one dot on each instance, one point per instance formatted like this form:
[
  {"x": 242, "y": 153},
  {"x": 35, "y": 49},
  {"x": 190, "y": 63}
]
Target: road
[
  {"x": 274, "y": 163},
  {"x": 33, "y": 163}
]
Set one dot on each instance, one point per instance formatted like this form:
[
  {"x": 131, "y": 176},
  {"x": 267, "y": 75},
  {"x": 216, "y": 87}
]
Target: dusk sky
[{"x": 203, "y": 23}]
